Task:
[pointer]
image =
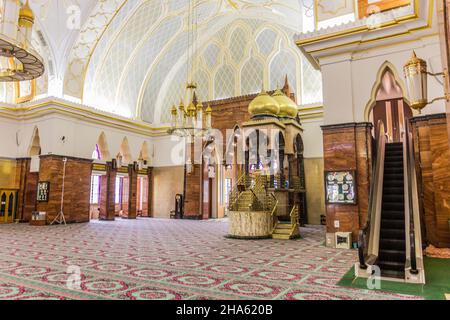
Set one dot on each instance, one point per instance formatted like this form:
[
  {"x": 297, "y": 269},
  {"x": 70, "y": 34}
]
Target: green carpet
[{"x": 437, "y": 276}]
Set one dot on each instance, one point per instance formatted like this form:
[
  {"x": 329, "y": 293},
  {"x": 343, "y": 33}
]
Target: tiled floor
[{"x": 168, "y": 259}]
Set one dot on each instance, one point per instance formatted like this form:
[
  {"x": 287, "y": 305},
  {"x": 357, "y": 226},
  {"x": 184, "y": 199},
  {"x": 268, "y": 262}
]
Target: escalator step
[
  {"x": 393, "y": 255},
  {"x": 396, "y": 163},
  {"x": 393, "y": 176},
  {"x": 394, "y": 145},
  {"x": 392, "y": 244},
  {"x": 393, "y": 190},
  {"x": 394, "y": 183},
  {"x": 393, "y": 224},
  {"x": 389, "y": 233},
  {"x": 393, "y": 206},
  {"x": 393, "y": 212},
  {"x": 396, "y": 156},
  {"x": 388, "y": 171},
  {"x": 393, "y": 274},
  {"x": 396, "y": 198},
  {"x": 391, "y": 265}
]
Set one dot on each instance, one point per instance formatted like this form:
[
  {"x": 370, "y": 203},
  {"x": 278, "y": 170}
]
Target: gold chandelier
[
  {"x": 190, "y": 119},
  {"x": 18, "y": 61}
]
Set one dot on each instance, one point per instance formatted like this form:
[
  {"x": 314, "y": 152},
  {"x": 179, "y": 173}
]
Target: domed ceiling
[{"x": 130, "y": 57}]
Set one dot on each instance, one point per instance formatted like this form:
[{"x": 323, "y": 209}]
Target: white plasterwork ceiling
[{"x": 129, "y": 56}]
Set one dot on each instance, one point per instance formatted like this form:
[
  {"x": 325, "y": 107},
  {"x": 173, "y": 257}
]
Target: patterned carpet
[{"x": 169, "y": 259}]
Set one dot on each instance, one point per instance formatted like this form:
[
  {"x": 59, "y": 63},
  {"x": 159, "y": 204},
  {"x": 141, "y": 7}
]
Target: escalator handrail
[
  {"x": 378, "y": 162},
  {"x": 410, "y": 174}
]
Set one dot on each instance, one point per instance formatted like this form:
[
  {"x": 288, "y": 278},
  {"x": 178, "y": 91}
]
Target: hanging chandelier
[
  {"x": 18, "y": 61},
  {"x": 190, "y": 119}
]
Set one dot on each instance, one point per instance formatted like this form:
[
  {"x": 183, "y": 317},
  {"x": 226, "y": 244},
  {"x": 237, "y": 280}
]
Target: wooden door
[{"x": 8, "y": 205}]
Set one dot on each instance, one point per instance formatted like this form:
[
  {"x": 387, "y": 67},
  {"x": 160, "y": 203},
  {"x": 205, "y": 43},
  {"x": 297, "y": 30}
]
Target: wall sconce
[{"x": 416, "y": 75}]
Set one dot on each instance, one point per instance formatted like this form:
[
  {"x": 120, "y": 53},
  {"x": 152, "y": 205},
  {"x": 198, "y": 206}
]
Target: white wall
[
  {"x": 168, "y": 151},
  {"x": 8, "y": 144},
  {"x": 80, "y": 137},
  {"x": 313, "y": 138},
  {"x": 349, "y": 78}
]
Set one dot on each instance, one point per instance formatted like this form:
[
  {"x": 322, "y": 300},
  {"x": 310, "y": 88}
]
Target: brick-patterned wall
[
  {"x": 443, "y": 13},
  {"x": 150, "y": 192},
  {"x": 348, "y": 147},
  {"x": 108, "y": 194},
  {"x": 22, "y": 168},
  {"x": 30, "y": 204},
  {"x": 144, "y": 193},
  {"x": 132, "y": 193},
  {"x": 77, "y": 187},
  {"x": 125, "y": 196},
  {"x": 433, "y": 157},
  {"x": 226, "y": 115},
  {"x": 27, "y": 185},
  {"x": 192, "y": 194}
]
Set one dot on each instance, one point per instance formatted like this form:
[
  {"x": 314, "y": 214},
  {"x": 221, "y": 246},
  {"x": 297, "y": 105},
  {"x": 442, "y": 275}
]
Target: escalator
[
  {"x": 392, "y": 250},
  {"x": 390, "y": 244}
]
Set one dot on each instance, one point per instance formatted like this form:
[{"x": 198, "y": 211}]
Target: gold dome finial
[
  {"x": 199, "y": 106},
  {"x": 174, "y": 110},
  {"x": 181, "y": 107},
  {"x": 415, "y": 61},
  {"x": 191, "y": 109},
  {"x": 288, "y": 108},
  {"x": 26, "y": 16},
  {"x": 263, "y": 105},
  {"x": 209, "y": 109}
]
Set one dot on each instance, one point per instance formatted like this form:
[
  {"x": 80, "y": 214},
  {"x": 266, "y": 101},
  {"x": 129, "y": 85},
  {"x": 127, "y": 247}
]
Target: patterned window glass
[
  {"x": 284, "y": 63},
  {"x": 252, "y": 77},
  {"x": 224, "y": 83},
  {"x": 266, "y": 41},
  {"x": 311, "y": 83}
]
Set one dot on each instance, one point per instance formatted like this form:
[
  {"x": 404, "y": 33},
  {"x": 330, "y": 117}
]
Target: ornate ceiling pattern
[
  {"x": 92, "y": 30},
  {"x": 129, "y": 57},
  {"x": 238, "y": 60}
]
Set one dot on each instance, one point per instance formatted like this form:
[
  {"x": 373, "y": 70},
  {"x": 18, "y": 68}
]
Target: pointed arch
[
  {"x": 102, "y": 147},
  {"x": 35, "y": 144},
  {"x": 125, "y": 151},
  {"x": 144, "y": 153},
  {"x": 385, "y": 67}
]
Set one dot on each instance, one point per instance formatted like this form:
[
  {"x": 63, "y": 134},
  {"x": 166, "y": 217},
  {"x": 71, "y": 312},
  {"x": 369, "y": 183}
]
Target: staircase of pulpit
[
  {"x": 251, "y": 194},
  {"x": 287, "y": 230}
]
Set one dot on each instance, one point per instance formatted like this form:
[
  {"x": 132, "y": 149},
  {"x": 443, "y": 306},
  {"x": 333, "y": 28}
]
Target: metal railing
[
  {"x": 235, "y": 192},
  {"x": 274, "y": 212},
  {"x": 295, "y": 216},
  {"x": 411, "y": 201},
  {"x": 369, "y": 234}
]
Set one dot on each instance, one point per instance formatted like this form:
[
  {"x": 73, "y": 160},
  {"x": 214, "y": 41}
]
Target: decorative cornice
[
  {"x": 386, "y": 19},
  {"x": 46, "y": 156},
  {"x": 360, "y": 36},
  {"x": 52, "y": 105},
  {"x": 428, "y": 117},
  {"x": 350, "y": 125}
]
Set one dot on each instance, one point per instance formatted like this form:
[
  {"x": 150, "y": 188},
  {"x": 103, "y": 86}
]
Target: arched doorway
[
  {"x": 257, "y": 154},
  {"x": 391, "y": 107}
]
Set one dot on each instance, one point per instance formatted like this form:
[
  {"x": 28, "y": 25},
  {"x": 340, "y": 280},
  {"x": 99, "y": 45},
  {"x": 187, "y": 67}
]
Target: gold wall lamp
[{"x": 416, "y": 75}]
